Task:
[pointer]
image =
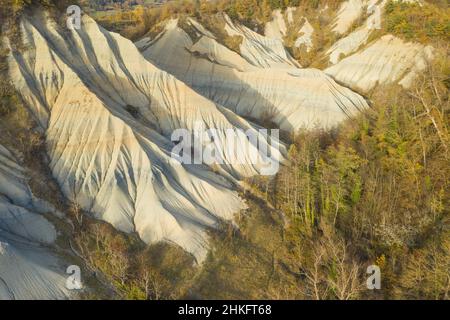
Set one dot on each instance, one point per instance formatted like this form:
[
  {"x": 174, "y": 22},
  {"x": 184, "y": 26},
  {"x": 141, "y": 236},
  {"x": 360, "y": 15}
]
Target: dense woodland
[{"x": 375, "y": 190}]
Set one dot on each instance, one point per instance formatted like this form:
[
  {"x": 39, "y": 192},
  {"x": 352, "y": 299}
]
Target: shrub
[{"x": 424, "y": 23}]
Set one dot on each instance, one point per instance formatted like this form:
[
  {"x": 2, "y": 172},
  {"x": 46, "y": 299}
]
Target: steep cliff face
[
  {"x": 109, "y": 111},
  {"x": 348, "y": 13},
  {"x": 259, "y": 50},
  {"x": 108, "y": 108},
  {"x": 363, "y": 65},
  {"x": 359, "y": 37},
  {"x": 109, "y": 115},
  {"x": 276, "y": 28},
  {"x": 28, "y": 268},
  {"x": 386, "y": 61},
  {"x": 284, "y": 23},
  {"x": 287, "y": 95},
  {"x": 358, "y": 27}
]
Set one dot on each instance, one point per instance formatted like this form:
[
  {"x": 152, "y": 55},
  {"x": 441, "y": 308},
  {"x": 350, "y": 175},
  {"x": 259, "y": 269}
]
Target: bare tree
[
  {"x": 314, "y": 276},
  {"x": 345, "y": 281}
]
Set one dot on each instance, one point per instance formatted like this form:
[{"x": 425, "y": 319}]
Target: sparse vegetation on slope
[
  {"x": 420, "y": 22},
  {"x": 375, "y": 190}
]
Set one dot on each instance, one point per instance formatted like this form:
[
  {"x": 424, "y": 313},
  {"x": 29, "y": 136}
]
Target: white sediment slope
[
  {"x": 28, "y": 269},
  {"x": 306, "y": 33},
  {"x": 200, "y": 28},
  {"x": 290, "y": 14},
  {"x": 388, "y": 60},
  {"x": 108, "y": 108},
  {"x": 109, "y": 115},
  {"x": 351, "y": 10},
  {"x": 348, "y": 13},
  {"x": 356, "y": 39},
  {"x": 259, "y": 50},
  {"x": 276, "y": 28},
  {"x": 348, "y": 44},
  {"x": 288, "y": 96},
  {"x": 359, "y": 37}
]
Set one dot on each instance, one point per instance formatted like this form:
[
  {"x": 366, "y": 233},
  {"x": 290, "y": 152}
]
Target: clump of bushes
[{"x": 412, "y": 21}]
